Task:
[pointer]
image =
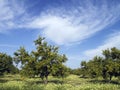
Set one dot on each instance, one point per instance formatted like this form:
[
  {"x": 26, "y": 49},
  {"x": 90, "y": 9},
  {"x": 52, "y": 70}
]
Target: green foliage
[
  {"x": 77, "y": 71},
  {"x": 48, "y": 59},
  {"x": 21, "y": 56},
  {"x": 45, "y": 60},
  {"x": 6, "y": 64},
  {"x": 107, "y": 66},
  {"x": 95, "y": 67},
  {"x": 60, "y": 71},
  {"x": 84, "y": 68}
]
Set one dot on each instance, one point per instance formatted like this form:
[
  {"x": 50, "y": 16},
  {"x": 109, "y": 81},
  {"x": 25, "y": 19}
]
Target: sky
[{"x": 81, "y": 28}]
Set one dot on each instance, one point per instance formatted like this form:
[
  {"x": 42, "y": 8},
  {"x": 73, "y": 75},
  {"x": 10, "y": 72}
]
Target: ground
[{"x": 72, "y": 82}]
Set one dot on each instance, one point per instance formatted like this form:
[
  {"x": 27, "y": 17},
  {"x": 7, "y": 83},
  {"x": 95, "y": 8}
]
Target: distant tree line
[
  {"x": 45, "y": 60},
  {"x": 106, "y": 66}
]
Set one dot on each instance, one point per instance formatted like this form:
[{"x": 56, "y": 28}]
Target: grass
[{"x": 72, "y": 82}]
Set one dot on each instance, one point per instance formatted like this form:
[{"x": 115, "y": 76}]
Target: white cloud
[
  {"x": 8, "y": 45},
  {"x": 10, "y": 11},
  {"x": 57, "y": 29},
  {"x": 5, "y": 13},
  {"x": 80, "y": 23},
  {"x": 60, "y": 25},
  {"x": 112, "y": 41}
]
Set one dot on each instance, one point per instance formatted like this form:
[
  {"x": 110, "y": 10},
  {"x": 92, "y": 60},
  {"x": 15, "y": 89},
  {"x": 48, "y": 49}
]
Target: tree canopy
[
  {"x": 106, "y": 66},
  {"x": 43, "y": 61},
  {"x": 6, "y": 64}
]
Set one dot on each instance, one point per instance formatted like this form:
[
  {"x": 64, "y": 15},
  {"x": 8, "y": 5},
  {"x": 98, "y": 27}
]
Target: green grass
[{"x": 72, "y": 82}]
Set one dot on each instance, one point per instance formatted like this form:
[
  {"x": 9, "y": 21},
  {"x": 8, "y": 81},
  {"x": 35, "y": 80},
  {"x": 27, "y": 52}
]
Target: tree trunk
[
  {"x": 110, "y": 77},
  {"x": 46, "y": 80}
]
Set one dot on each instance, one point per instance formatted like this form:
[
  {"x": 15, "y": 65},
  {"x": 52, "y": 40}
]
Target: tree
[
  {"x": 77, "y": 71},
  {"x": 107, "y": 66},
  {"x": 58, "y": 68},
  {"x": 6, "y": 64},
  {"x": 48, "y": 58},
  {"x": 21, "y": 56},
  {"x": 95, "y": 67},
  {"x": 111, "y": 65},
  {"x": 84, "y": 68},
  {"x": 28, "y": 62},
  {"x": 43, "y": 61}
]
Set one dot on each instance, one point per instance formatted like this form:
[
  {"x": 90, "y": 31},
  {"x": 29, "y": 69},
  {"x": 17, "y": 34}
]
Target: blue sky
[{"x": 81, "y": 28}]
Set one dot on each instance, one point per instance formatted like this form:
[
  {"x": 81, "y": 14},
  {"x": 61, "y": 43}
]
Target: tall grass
[{"x": 70, "y": 83}]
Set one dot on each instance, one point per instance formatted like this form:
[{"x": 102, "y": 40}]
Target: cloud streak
[
  {"x": 10, "y": 14},
  {"x": 79, "y": 23},
  {"x": 8, "y": 45},
  {"x": 112, "y": 41},
  {"x": 61, "y": 25}
]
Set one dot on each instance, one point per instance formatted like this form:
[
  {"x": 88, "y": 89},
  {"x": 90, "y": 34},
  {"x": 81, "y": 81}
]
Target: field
[{"x": 72, "y": 82}]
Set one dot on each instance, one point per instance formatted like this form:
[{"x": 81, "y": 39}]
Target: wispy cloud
[
  {"x": 9, "y": 46},
  {"x": 10, "y": 11},
  {"x": 80, "y": 22},
  {"x": 112, "y": 41},
  {"x": 61, "y": 24}
]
